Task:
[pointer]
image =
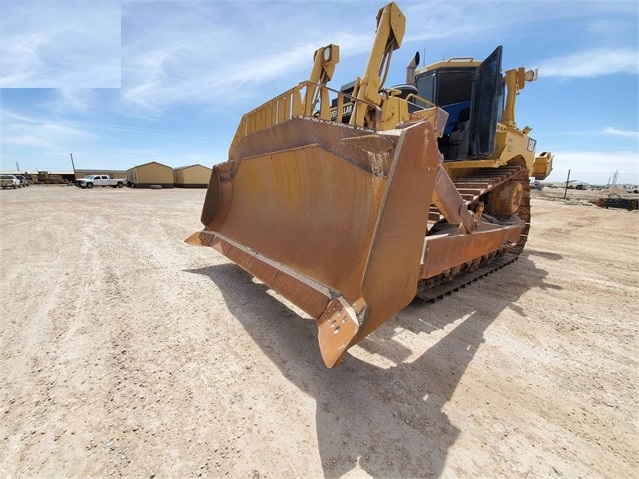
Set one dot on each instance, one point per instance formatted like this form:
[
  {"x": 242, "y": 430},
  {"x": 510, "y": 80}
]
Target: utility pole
[
  {"x": 72, "y": 164},
  {"x": 567, "y": 181}
]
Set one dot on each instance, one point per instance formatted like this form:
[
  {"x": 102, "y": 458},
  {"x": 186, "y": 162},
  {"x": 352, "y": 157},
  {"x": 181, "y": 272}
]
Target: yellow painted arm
[{"x": 391, "y": 25}]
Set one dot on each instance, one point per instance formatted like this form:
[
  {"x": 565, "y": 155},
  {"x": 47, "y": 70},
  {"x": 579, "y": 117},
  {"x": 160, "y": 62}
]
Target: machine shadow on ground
[{"x": 388, "y": 421}]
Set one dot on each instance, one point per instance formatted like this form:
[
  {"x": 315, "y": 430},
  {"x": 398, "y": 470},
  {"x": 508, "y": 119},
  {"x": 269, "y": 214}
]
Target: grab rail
[{"x": 289, "y": 105}]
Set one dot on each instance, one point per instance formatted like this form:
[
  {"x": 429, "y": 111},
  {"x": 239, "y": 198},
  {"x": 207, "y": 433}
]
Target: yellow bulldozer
[{"x": 350, "y": 203}]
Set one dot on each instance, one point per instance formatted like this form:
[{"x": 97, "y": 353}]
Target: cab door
[{"x": 487, "y": 92}]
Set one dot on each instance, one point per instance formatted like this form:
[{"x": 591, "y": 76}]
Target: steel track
[{"x": 475, "y": 188}]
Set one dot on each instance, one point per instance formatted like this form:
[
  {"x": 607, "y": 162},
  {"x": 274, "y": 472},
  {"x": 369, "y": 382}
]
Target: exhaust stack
[{"x": 410, "y": 69}]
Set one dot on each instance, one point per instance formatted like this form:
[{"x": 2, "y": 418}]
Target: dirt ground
[{"x": 125, "y": 352}]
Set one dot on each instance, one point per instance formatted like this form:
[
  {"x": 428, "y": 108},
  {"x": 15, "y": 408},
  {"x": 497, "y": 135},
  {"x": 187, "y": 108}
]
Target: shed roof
[
  {"x": 151, "y": 163},
  {"x": 191, "y": 166}
]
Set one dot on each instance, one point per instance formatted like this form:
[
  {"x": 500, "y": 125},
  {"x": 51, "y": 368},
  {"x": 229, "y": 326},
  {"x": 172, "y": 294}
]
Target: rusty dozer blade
[{"x": 330, "y": 216}]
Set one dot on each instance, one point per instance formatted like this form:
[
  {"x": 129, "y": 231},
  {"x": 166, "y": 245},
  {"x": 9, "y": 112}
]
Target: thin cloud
[
  {"x": 592, "y": 63},
  {"x": 198, "y": 55},
  {"x": 623, "y": 133},
  {"x": 439, "y": 20},
  {"x": 20, "y": 59},
  {"x": 65, "y": 44},
  {"x": 20, "y": 130},
  {"x": 76, "y": 100}
]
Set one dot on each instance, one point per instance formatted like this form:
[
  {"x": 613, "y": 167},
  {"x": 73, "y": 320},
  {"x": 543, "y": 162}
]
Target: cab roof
[{"x": 466, "y": 62}]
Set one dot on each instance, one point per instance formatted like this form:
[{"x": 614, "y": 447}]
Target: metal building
[
  {"x": 192, "y": 176},
  {"x": 150, "y": 174}
]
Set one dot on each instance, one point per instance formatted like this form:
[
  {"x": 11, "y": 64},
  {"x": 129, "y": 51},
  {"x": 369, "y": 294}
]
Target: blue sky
[{"x": 123, "y": 82}]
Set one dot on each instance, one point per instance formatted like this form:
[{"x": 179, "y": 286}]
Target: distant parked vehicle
[
  {"x": 90, "y": 181},
  {"x": 24, "y": 181},
  {"x": 9, "y": 181}
]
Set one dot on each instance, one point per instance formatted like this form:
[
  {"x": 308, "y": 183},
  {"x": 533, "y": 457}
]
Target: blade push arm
[
  {"x": 391, "y": 24},
  {"x": 324, "y": 61}
]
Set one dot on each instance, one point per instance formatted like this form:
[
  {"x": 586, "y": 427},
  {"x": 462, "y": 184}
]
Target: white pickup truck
[
  {"x": 9, "y": 181},
  {"x": 90, "y": 181}
]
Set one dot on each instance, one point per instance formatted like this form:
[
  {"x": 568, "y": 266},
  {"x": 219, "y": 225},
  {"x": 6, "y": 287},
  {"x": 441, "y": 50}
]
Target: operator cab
[{"x": 472, "y": 93}]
